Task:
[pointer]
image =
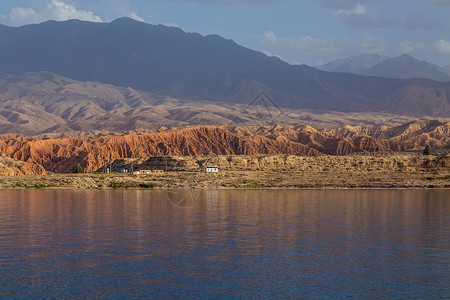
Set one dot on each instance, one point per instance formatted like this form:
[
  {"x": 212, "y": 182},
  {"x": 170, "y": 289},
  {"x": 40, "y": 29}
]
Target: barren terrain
[
  {"x": 45, "y": 103},
  {"x": 269, "y": 171},
  {"x": 94, "y": 152}
]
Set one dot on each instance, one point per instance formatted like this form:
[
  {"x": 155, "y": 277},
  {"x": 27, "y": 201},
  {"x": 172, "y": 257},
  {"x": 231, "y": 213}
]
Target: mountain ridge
[
  {"x": 407, "y": 67},
  {"x": 353, "y": 64},
  {"x": 168, "y": 61},
  {"x": 401, "y": 67}
]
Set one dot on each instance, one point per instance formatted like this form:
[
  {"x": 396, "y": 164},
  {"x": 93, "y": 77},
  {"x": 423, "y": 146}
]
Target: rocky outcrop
[
  {"x": 93, "y": 152},
  {"x": 11, "y": 167}
]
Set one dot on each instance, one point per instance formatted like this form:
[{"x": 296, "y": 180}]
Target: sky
[{"x": 300, "y": 32}]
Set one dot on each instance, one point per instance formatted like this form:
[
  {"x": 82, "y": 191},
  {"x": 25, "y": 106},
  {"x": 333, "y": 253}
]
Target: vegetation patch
[
  {"x": 253, "y": 186},
  {"x": 147, "y": 185},
  {"x": 122, "y": 184},
  {"x": 35, "y": 186},
  {"x": 131, "y": 184}
]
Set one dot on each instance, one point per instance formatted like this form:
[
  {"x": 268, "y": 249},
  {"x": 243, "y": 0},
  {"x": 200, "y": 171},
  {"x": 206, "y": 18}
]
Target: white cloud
[
  {"x": 323, "y": 48},
  {"x": 442, "y": 46},
  {"x": 348, "y": 4},
  {"x": 20, "y": 15},
  {"x": 136, "y": 17},
  {"x": 413, "y": 47},
  {"x": 173, "y": 24},
  {"x": 62, "y": 11},
  {"x": 305, "y": 43},
  {"x": 227, "y": 2},
  {"x": 270, "y": 54},
  {"x": 357, "y": 10},
  {"x": 439, "y": 47},
  {"x": 372, "y": 45},
  {"x": 358, "y": 16},
  {"x": 53, "y": 10}
]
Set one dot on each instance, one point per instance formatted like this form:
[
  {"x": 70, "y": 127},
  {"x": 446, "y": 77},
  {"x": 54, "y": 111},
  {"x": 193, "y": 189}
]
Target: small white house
[{"x": 212, "y": 169}]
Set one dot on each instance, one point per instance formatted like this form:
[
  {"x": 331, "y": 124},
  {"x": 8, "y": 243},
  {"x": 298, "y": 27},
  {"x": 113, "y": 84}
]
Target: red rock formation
[
  {"x": 93, "y": 152},
  {"x": 11, "y": 167}
]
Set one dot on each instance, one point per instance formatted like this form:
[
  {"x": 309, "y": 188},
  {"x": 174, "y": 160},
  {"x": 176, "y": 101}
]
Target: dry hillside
[
  {"x": 45, "y": 103},
  {"x": 92, "y": 152}
]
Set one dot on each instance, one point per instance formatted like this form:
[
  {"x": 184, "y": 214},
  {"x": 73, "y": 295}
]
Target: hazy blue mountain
[
  {"x": 353, "y": 64},
  {"x": 401, "y": 67},
  {"x": 168, "y": 61},
  {"x": 406, "y": 67},
  {"x": 446, "y": 70}
]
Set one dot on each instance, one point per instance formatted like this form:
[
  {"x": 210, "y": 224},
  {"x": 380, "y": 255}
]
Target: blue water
[{"x": 364, "y": 244}]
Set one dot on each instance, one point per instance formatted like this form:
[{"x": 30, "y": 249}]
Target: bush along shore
[{"x": 265, "y": 171}]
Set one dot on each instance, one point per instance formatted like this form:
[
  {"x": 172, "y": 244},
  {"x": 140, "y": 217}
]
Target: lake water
[{"x": 330, "y": 244}]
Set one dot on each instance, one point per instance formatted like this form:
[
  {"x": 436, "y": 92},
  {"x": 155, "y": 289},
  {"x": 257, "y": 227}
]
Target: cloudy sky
[{"x": 298, "y": 31}]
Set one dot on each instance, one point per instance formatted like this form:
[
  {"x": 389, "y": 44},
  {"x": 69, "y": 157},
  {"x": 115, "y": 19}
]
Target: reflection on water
[{"x": 235, "y": 244}]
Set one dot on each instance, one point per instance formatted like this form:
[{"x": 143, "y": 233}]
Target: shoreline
[
  {"x": 227, "y": 189},
  {"x": 229, "y": 180}
]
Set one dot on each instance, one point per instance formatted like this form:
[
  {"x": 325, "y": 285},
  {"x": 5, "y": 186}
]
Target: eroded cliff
[{"x": 93, "y": 152}]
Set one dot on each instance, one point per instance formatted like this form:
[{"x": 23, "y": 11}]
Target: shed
[{"x": 212, "y": 169}]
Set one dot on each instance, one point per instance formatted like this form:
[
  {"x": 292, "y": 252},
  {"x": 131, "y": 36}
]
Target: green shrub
[
  {"x": 131, "y": 184},
  {"x": 121, "y": 185},
  {"x": 147, "y": 185},
  {"x": 77, "y": 169}
]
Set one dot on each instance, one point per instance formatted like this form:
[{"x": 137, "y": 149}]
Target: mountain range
[
  {"x": 353, "y": 64},
  {"x": 44, "y": 103},
  {"x": 401, "y": 67},
  {"x": 168, "y": 62}
]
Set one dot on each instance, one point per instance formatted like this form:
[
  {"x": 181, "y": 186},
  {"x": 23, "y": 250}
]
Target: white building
[{"x": 212, "y": 169}]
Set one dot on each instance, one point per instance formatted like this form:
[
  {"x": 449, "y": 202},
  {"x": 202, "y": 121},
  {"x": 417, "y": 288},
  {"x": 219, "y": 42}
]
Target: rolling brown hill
[
  {"x": 93, "y": 152},
  {"x": 44, "y": 103},
  {"x": 406, "y": 101}
]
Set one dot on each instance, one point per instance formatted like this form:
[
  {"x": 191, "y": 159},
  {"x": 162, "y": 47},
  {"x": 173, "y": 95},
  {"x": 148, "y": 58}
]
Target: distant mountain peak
[
  {"x": 401, "y": 67},
  {"x": 125, "y": 20},
  {"x": 407, "y": 67},
  {"x": 353, "y": 64},
  {"x": 406, "y": 58}
]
